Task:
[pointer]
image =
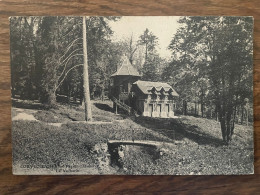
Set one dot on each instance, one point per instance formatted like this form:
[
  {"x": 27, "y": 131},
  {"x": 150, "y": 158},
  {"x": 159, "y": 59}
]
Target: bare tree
[
  {"x": 88, "y": 112},
  {"x": 132, "y": 49}
]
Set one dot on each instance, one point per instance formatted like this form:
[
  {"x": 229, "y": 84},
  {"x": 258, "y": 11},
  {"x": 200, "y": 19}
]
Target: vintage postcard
[{"x": 132, "y": 95}]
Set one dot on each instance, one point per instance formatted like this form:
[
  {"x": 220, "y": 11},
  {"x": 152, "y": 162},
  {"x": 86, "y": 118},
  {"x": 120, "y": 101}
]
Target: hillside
[{"x": 58, "y": 141}]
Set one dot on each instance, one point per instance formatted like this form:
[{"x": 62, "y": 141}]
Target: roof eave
[{"x": 113, "y": 75}]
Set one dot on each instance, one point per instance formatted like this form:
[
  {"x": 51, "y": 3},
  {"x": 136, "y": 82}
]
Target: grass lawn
[{"x": 57, "y": 141}]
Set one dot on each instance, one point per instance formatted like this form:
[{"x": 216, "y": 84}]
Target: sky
[{"x": 164, "y": 27}]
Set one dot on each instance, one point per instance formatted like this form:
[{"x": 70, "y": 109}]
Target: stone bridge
[
  {"x": 115, "y": 143},
  {"x": 114, "y": 147}
]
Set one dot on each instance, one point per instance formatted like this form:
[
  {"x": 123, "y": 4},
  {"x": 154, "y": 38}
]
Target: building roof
[
  {"x": 148, "y": 87},
  {"x": 126, "y": 69}
]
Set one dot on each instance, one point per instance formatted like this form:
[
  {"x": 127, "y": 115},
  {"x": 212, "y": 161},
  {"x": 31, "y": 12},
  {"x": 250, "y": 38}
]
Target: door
[
  {"x": 159, "y": 109},
  {"x": 167, "y": 109},
  {"x": 150, "y": 109}
]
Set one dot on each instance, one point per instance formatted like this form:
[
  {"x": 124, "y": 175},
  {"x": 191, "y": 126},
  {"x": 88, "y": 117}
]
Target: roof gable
[
  {"x": 126, "y": 69},
  {"x": 148, "y": 87}
]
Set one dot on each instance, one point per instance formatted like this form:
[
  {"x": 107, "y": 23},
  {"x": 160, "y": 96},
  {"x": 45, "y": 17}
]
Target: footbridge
[{"x": 148, "y": 143}]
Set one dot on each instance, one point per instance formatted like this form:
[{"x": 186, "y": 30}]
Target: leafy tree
[
  {"x": 231, "y": 69},
  {"x": 57, "y": 54},
  {"x": 47, "y": 56},
  {"x": 131, "y": 49},
  {"x": 149, "y": 41},
  {"x": 22, "y": 57},
  {"x": 214, "y": 54},
  {"x": 151, "y": 68},
  {"x": 102, "y": 54},
  {"x": 188, "y": 65}
]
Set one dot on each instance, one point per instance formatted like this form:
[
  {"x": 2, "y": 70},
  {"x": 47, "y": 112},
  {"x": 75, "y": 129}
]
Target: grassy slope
[{"x": 200, "y": 150}]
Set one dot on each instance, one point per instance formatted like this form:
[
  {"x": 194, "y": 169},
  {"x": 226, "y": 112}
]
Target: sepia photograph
[{"x": 132, "y": 95}]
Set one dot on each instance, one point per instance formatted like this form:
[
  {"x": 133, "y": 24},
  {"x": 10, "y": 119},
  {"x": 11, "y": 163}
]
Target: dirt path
[{"x": 24, "y": 116}]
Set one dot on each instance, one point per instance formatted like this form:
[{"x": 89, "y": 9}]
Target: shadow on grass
[
  {"x": 195, "y": 134},
  {"x": 108, "y": 108},
  {"x": 29, "y": 104},
  {"x": 104, "y": 107},
  {"x": 177, "y": 130}
]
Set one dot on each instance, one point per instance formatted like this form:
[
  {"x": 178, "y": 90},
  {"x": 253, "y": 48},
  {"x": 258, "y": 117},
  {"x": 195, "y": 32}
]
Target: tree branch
[
  {"x": 67, "y": 74},
  {"x": 67, "y": 63},
  {"x": 68, "y": 47},
  {"x": 67, "y": 58}
]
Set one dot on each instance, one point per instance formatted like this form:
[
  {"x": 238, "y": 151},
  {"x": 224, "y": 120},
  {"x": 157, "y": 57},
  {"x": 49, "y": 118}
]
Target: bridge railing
[{"x": 141, "y": 134}]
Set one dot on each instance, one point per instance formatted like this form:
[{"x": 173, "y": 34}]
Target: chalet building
[
  {"x": 153, "y": 99},
  {"x": 122, "y": 80}
]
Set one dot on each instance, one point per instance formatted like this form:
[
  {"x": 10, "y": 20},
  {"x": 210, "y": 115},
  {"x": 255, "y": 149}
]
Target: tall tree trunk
[
  {"x": 247, "y": 113},
  {"x": 202, "y": 109},
  {"x": 69, "y": 94},
  {"x": 184, "y": 107},
  {"x": 210, "y": 109},
  {"x": 242, "y": 115},
  {"x": 227, "y": 123},
  {"x": 216, "y": 113},
  {"x": 75, "y": 95},
  {"x": 202, "y": 102},
  {"x": 102, "y": 93},
  {"x": 146, "y": 52},
  {"x": 195, "y": 108},
  {"x": 51, "y": 99},
  {"x": 88, "y": 112}
]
